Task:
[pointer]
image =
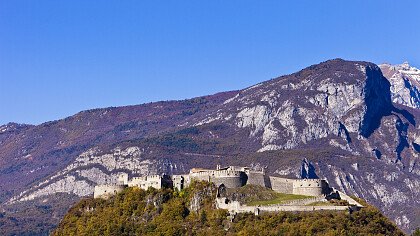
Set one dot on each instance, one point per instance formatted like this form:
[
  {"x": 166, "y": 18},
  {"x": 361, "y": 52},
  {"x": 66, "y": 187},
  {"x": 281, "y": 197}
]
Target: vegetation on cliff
[{"x": 192, "y": 212}]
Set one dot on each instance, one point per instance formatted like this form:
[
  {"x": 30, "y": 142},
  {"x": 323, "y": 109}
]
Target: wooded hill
[{"x": 192, "y": 212}]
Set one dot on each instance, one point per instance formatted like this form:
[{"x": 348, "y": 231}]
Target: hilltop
[{"x": 192, "y": 212}]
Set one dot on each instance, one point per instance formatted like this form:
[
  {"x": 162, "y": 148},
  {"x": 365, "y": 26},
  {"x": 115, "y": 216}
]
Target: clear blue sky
[{"x": 60, "y": 57}]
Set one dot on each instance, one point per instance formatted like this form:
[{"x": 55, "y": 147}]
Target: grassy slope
[
  {"x": 256, "y": 195},
  {"x": 280, "y": 198}
]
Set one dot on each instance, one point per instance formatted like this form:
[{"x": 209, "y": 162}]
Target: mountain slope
[
  {"x": 33, "y": 152},
  {"x": 334, "y": 120}
]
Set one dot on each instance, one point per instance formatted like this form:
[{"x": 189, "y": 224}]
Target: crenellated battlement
[
  {"x": 218, "y": 173},
  {"x": 146, "y": 178}
]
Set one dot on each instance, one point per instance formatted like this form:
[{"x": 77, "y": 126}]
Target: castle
[
  {"x": 234, "y": 177},
  {"x": 230, "y": 177}
]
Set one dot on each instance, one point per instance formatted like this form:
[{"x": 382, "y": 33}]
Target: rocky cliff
[
  {"x": 337, "y": 120},
  {"x": 405, "y": 83}
]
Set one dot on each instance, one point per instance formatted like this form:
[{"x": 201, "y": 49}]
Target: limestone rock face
[
  {"x": 335, "y": 98},
  {"x": 339, "y": 120},
  {"x": 199, "y": 198},
  {"x": 91, "y": 168},
  {"x": 405, "y": 83}
]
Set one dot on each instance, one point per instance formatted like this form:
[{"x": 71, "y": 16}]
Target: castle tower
[{"x": 123, "y": 179}]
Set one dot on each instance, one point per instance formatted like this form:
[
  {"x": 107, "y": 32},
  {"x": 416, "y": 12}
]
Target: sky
[{"x": 61, "y": 57}]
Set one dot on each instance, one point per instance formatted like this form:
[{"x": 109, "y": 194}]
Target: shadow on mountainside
[{"x": 378, "y": 102}]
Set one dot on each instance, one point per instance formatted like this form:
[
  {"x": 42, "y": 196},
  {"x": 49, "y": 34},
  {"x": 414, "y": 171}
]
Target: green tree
[{"x": 416, "y": 232}]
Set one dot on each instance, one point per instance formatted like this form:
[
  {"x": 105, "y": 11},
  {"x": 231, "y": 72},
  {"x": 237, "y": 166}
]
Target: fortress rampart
[
  {"x": 258, "y": 178},
  {"x": 146, "y": 182},
  {"x": 281, "y": 185},
  {"x": 236, "y": 207},
  {"x": 107, "y": 190},
  {"x": 180, "y": 181},
  {"x": 230, "y": 177},
  {"x": 234, "y": 177},
  {"x": 310, "y": 187}
]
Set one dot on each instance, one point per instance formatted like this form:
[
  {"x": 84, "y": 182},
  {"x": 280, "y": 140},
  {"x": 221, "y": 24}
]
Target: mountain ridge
[
  {"x": 405, "y": 81},
  {"x": 335, "y": 114}
]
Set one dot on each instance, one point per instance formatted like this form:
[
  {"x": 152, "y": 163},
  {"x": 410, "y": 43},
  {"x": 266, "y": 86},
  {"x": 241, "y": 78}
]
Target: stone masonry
[{"x": 230, "y": 177}]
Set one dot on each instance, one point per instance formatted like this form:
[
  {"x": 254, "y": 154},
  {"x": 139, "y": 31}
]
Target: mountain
[
  {"x": 405, "y": 83},
  {"x": 34, "y": 152},
  {"x": 335, "y": 120}
]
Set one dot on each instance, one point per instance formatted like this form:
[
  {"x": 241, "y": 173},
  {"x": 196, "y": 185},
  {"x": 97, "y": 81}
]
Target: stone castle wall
[
  {"x": 236, "y": 207},
  {"x": 281, "y": 185},
  {"x": 230, "y": 178},
  {"x": 234, "y": 178},
  {"x": 350, "y": 200},
  {"x": 180, "y": 181},
  {"x": 107, "y": 190},
  {"x": 230, "y": 181},
  {"x": 123, "y": 178},
  {"x": 145, "y": 182},
  {"x": 309, "y": 187},
  {"x": 258, "y": 178}
]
